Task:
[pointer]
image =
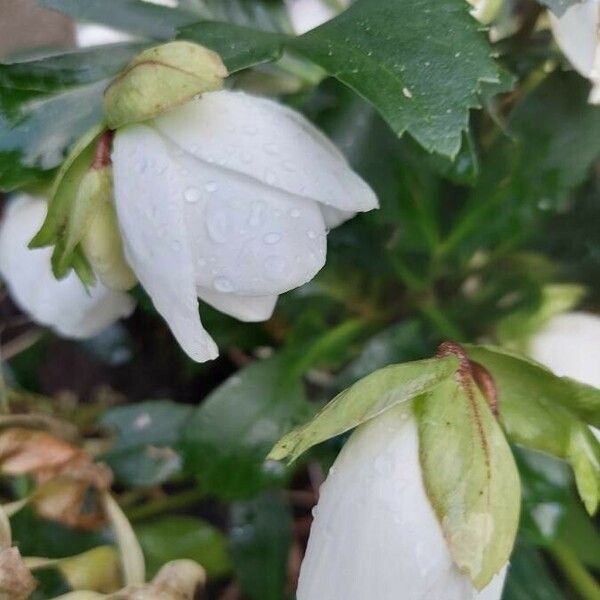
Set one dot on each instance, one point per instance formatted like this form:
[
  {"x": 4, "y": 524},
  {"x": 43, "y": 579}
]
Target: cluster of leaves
[{"x": 481, "y": 210}]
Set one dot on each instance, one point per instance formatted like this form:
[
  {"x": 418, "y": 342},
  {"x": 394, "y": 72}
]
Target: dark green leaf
[
  {"x": 135, "y": 16},
  {"x": 229, "y": 436},
  {"x": 398, "y": 55},
  {"x": 174, "y": 538},
  {"x": 529, "y": 577},
  {"x": 147, "y": 434},
  {"x": 70, "y": 69},
  {"x": 261, "y": 536}
]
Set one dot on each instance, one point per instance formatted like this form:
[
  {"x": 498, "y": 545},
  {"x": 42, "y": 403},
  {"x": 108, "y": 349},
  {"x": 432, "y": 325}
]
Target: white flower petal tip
[
  {"x": 577, "y": 33},
  {"x": 65, "y": 306},
  {"x": 229, "y": 199},
  {"x": 375, "y": 534}
]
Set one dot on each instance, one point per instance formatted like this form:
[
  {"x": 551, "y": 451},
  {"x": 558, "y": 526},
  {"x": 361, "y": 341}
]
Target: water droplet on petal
[
  {"x": 295, "y": 213},
  {"x": 222, "y": 284},
  {"x": 311, "y": 234},
  {"x": 217, "y": 227},
  {"x": 191, "y": 195},
  {"x": 270, "y": 177},
  {"x": 272, "y": 238},
  {"x": 211, "y": 187},
  {"x": 256, "y": 213},
  {"x": 275, "y": 266}
]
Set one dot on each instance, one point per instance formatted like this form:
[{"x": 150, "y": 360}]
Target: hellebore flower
[
  {"x": 375, "y": 533},
  {"x": 63, "y": 305},
  {"x": 228, "y": 198},
  {"x": 569, "y": 345},
  {"x": 577, "y": 32}
]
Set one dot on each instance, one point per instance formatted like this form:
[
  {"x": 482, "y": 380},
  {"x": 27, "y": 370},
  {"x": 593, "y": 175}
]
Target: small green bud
[
  {"x": 162, "y": 78},
  {"x": 101, "y": 241}
]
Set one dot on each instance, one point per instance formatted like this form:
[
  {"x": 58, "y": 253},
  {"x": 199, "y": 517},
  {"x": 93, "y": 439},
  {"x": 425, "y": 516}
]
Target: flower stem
[
  {"x": 172, "y": 502},
  {"x": 575, "y": 573}
]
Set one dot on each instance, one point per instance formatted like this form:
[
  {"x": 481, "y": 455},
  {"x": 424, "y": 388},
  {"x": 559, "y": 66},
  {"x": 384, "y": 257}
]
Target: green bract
[
  {"x": 470, "y": 476},
  {"x": 160, "y": 79},
  {"x": 548, "y": 413},
  {"x": 363, "y": 401}
]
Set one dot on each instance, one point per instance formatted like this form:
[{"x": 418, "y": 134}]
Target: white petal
[
  {"x": 246, "y": 238},
  {"x": 308, "y": 14},
  {"x": 91, "y": 34},
  {"x": 569, "y": 345},
  {"x": 269, "y": 143},
  {"x": 151, "y": 217},
  {"x": 245, "y": 308},
  {"x": 375, "y": 534},
  {"x": 334, "y": 217},
  {"x": 576, "y": 32},
  {"x": 63, "y": 305}
]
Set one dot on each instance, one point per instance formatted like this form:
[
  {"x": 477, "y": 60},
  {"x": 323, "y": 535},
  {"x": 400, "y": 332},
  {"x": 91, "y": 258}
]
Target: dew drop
[
  {"x": 217, "y": 227},
  {"x": 275, "y": 266},
  {"x": 311, "y": 234},
  {"x": 295, "y": 213},
  {"x": 201, "y": 262},
  {"x": 315, "y": 512},
  {"x": 211, "y": 187},
  {"x": 256, "y": 213},
  {"x": 272, "y": 238},
  {"x": 222, "y": 284},
  {"x": 270, "y": 177},
  {"x": 407, "y": 93},
  {"x": 191, "y": 195}
]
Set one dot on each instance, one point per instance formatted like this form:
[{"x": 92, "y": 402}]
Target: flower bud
[
  {"x": 102, "y": 241},
  {"x": 64, "y": 305},
  {"x": 161, "y": 78},
  {"x": 375, "y": 532},
  {"x": 94, "y": 570}
]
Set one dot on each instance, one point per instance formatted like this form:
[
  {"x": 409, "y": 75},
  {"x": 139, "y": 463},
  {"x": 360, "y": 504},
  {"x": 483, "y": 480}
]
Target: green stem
[
  {"x": 575, "y": 573},
  {"x": 172, "y": 502},
  {"x": 441, "y": 322}
]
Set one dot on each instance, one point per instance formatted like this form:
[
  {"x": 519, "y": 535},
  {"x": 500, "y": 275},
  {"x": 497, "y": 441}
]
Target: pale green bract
[
  {"x": 547, "y": 413},
  {"x": 363, "y": 401},
  {"x": 470, "y": 477}
]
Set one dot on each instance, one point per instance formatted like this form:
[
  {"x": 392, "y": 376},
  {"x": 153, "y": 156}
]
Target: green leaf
[
  {"x": 144, "y": 452},
  {"x": 470, "y": 477},
  {"x": 240, "y": 47},
  {"x": 135, "y": 16},
  {"x": 366, "y": 399},
  {"x": 178, "y": 537},
  {"x": 529, "y": 578},
  {"x": 261, "y": 536},
  {"x": 35, "y": 137},
  {"x": 80, "y": 67},
  {"x": 230, "y": 434},
  {"x": 47, "y": 104},
  {"x": 396, "y": 54},
  {"x": 540, "y": 411}
]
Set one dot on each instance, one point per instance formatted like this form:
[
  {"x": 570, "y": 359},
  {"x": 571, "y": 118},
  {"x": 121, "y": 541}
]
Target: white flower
[
  {"x": 569, "y": 345},
  {"x": 228, "y": 198},
  {"x": 308, "y": 14},
  {"x": 577, "y": 33},
  {"x": 375, "y": 534},
  {"x": 63, "y": 305}
]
